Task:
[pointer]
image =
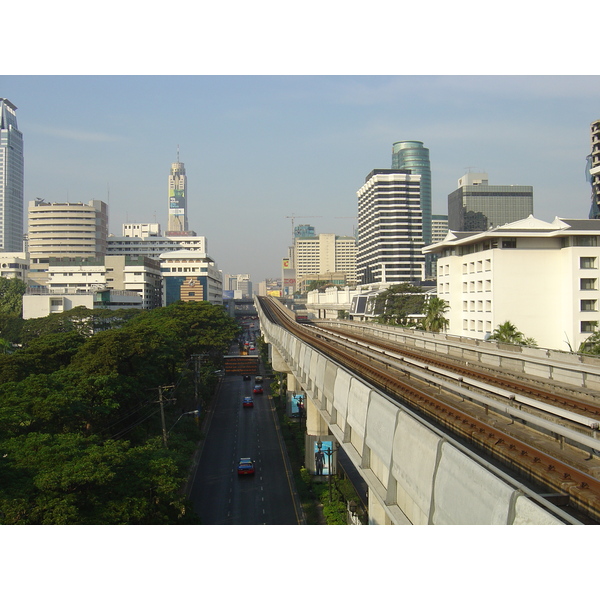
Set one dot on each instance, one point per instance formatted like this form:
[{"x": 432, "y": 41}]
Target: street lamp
[{"x": 191, "y": 412}]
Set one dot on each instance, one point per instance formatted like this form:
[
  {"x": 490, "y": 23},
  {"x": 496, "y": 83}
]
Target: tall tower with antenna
[{"x": 178, "y": 223}]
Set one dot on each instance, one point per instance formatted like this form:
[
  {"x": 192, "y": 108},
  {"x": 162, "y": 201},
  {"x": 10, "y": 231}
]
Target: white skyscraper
[
  {"x": 390, "y": 228},
  {"x": 11, "y": 179}
]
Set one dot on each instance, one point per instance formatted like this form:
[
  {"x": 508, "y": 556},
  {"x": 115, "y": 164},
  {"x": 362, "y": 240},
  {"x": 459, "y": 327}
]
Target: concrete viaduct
[{"x": 415, "y": 474}]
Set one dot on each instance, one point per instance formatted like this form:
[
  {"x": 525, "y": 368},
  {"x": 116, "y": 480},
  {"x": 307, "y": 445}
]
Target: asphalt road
[{"x": 219, "y": 495}]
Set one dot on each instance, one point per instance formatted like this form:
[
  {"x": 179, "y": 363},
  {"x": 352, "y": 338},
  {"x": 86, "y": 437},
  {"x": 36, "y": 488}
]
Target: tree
[
  {"x": 508, "y": 333},
  {"x": 434, "y": 314},
  {"x": 11, "y": 295},
  {"x": 591, "y": 345},
  {"x": 397, "y": 302}
]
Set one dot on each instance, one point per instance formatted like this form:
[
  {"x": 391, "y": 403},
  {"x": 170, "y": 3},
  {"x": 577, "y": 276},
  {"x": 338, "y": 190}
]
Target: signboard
[{"x": 241, "y": 365}]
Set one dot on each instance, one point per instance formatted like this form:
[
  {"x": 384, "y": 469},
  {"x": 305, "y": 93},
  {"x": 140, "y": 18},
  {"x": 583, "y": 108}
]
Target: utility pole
[{"x": 162, "y": 401}]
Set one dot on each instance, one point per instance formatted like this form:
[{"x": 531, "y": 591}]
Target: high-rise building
[
  {"x": 178, "y": 223},
  {"x": 390, "y": 228},
  {"x": 439, "y": 228},
  {"x": 304, "y": 231},
  {"x": 594, "y": 170},
  {"x": 414, "y": 156},
  {"x": 477, "y": 206},
  {"x": 63, "y": 229},
  {"x": 325, "y": 254},
  {"x": 11, "y": 179}
]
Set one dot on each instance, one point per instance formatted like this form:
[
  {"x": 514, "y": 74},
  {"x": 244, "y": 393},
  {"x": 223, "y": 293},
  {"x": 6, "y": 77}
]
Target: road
[{"x": 219, "y": 495}]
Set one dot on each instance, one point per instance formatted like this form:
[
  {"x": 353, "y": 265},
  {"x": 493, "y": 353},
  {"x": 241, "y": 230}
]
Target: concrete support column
[
  {"x": 315, "y": 424},
  {"x": 377, "y": 514},
  {"x": 277, "y": 360},
  {"x": 293, "y": 384}
]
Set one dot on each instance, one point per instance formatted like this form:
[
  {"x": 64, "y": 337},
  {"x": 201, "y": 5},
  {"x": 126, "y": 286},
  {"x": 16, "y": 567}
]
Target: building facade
[
  {"x": 136, "y": 274},
  {"x": 390, "y": 228},
  {"x": 190, "y": 276},
  {"x": 594, "y": 169},
  {"x": 324, "y": 255},
  {"x": 11, "y": 179},
  {"x": 477, "y": 206},
  {"x": 64, "y": 230},
  {"x": 14, "y": 265},
  {"x": 414, "y": 156},
  {"x": 542, "y": 277},
  {"x": 145, "y": 239}
]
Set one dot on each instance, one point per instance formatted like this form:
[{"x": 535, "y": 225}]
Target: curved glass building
[{"x": 414, "y": 156}]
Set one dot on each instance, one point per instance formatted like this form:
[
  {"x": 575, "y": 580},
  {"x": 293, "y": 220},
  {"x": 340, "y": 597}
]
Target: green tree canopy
[
  {"x": 397, "y": 302},
  {"x": 508, "y": 333}
]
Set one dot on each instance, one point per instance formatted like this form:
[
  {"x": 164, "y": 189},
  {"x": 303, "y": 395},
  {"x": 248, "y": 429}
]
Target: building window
[
  {"x": 587, "y": 262},
  {"x": 588, "y": 326},
  {"x": 587, "y": 284},
  {"x": 509, "y": 243},
  {"x": 588, "y": 305}
]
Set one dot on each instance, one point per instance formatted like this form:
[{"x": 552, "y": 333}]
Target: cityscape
[{"x": 183, "y": 250}]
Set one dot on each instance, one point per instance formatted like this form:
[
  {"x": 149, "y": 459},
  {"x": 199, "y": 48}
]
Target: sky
[{"x": 263, "y": 152}]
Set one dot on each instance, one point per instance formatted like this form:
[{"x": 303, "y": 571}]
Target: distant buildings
[
  {"x": 325, "y": 257},
  {"x": 477, "y": 206},
  {"x": 542, "y": 277},
  {"x": 594, "y": 169},
  {"x": 11, "y": 179},
  {"x": 439, "y": 228},
  {"x": 390, "y": 228}
]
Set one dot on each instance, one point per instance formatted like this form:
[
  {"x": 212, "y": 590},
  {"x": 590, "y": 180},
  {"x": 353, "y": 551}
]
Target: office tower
[
  {"x": 439, "y": 228},
  {"x": 304, "y": 231},
  {"x": 594, "y": 170},
  {"x": 478, "y": 206},
  {"x": 11, "y": 179},
  {"x": 63, "y": 229},
  {"x": 178, "y": 223},
  {"x": 326, "y": 257},
  {"x": 390, "y": 228},
  {"x": 414, "y": 156}
]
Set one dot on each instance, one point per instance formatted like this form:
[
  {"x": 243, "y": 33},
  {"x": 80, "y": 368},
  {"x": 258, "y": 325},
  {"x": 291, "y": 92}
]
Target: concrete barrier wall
[{"x": 415, "y": 475}]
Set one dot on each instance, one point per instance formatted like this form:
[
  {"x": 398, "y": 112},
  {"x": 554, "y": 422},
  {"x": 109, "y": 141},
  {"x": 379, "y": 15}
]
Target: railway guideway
[{"x": 416, "y": 474}]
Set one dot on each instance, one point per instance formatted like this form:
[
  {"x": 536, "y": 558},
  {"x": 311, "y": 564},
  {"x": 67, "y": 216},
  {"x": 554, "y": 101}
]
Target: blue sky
[{"x": 259, "y": 149}]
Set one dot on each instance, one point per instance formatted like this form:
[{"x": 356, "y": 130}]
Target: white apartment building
[
  {"x": 139, "y": 274},
  {"x": 145, "y": 239},
  {"x": 542, "y": 277},
  {"x": 46, "y": 302},
  {"x": 324, "y": 254},
  {"x": 14, "y": 265},
  {"x": 63, "y": 229}
]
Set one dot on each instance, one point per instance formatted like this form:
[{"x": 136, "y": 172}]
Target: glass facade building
[
  {"x": 478, "y": 206},
  {"x": 11, "y": 179},
  {"x": 414, "y": 156}
]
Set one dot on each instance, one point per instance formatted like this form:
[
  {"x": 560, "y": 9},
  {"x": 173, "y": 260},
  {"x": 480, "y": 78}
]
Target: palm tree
[
  {"x": 434, "y": 314},
  {"x": 507, "y": 332}
]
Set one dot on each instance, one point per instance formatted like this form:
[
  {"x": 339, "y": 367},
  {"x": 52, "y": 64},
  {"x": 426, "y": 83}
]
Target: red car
[
  {"x": 248, "y": 402},
  {"x": 246, "y": 466},
  {"x": 258, "y": 389}
]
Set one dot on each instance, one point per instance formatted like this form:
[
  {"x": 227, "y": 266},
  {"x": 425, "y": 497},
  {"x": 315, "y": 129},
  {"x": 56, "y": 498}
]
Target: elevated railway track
[{"x": 546, "y": 438}]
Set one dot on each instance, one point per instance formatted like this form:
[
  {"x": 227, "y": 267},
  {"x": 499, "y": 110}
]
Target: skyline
[{"x": 260, "y": 149}]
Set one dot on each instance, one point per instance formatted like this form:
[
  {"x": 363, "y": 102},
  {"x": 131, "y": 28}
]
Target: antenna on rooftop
[{"x": 177, "y": 152}]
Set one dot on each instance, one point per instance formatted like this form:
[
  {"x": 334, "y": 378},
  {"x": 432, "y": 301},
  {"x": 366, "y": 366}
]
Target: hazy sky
[{"x": 260, "y": 149}]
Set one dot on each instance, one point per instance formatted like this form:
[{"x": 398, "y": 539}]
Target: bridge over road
[{"x": 416, "y": 472}]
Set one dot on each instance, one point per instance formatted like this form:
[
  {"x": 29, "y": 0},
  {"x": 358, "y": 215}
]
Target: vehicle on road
[
  {"x": 246, "y": 466},
  {"x": 258, "y": 379},
  {"x": 258, "y": 389},
  {"x": 246, "y": 377},
  {"x": 248, "y": 402}
]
